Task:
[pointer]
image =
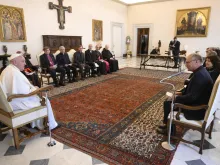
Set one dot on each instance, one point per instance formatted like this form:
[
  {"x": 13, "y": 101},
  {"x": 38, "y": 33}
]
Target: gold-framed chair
[
  {"x": 202, "y": 125},
  {"x": 16, "y": 119},
  {"x": 43, "y": 71}
]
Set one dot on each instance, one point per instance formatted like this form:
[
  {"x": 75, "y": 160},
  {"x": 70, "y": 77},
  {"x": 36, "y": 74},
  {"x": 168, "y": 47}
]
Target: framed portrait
[
  {"x": 12, "y": 26},
  {"x": 192, "y": 22},
  {"x": 97, "y": 31}
]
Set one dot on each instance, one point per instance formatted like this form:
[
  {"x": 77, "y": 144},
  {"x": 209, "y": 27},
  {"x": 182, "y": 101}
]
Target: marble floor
[{"x": 36, "y": 152}]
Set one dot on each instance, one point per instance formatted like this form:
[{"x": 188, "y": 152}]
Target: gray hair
[
  {"x": 196, "y": 56},
  {"x": 61, "y": 47}
]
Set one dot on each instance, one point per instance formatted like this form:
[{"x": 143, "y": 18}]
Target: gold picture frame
[
  {"x": 192, "y": 22},
  {"x": 97, "y": 30},
  {"x": 12, "y": 26}
]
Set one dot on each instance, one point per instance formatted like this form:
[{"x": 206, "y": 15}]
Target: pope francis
[{"x": 14, "y": 82}]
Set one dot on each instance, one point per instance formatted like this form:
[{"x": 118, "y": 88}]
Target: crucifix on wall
[{"x": 60, "y": 12}]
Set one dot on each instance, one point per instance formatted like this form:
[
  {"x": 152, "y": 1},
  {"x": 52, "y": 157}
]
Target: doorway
[
  {"x": 142, "y": 40},
  {"x": 117, "y": 36}
]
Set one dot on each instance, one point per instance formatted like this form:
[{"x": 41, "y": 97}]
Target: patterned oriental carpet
[{"x": 114, "y": 118}]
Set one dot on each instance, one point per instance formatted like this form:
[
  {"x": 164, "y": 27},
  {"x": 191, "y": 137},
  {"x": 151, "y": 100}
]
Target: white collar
[{"x": 14, "y": 67}]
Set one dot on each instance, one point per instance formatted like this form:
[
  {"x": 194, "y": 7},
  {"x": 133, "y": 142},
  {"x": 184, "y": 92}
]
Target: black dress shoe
[
  {"x": 75, "y": 80},
  {"x": 161, "y": 131},
  {"x": 165, "y": 131},
  {"x": 162, "y": 126},
  {"x": 61, "y": 84},
  {"x": 56, "y": 85}
]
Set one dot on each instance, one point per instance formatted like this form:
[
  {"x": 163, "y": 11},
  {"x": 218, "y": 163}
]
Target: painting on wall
[
  {"x": 97, "y": 30},
  {"x": 192, "y": 22},
  {"x": 12, "y": 26}
]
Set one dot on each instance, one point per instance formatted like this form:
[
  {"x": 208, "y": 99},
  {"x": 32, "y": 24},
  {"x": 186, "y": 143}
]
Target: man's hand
[
  {"x": 178, "y": 93},
  {"x": 53, "y": 67}
]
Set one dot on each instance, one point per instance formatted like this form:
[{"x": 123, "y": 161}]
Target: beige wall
[
  {"x": 162, "y": 17},
  {"x": 40, "y": 20}
]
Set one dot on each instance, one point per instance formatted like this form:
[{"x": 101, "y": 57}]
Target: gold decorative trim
[
  {"x": 207, "y": 15},
  {"x": 12, "y": 24}
]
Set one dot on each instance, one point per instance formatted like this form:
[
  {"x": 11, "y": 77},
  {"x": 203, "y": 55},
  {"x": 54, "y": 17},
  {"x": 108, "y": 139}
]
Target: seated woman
[{"x": 212, "y": 64}]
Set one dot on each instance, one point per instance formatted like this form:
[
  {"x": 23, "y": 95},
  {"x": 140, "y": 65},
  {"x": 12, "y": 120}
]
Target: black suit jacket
[
  {"x": 198, "y": 92},
  {"x": 45, "y": 63},
  {"x": 88, "y": 56},
  {"x": 79, "y": 58},
  {"x": 176, "y": 49},
  {"x": 97, "y": 54},
  {"x": 106, "y": 54},
  {"x": 62, "y": 59}
]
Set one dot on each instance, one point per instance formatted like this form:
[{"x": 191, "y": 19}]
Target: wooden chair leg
[
  {"x": 42, "y": 83},
  {"x": 202, "y": 141},
  {"x": 210, "y": 129},
  {"x": 16, "y": 138}
]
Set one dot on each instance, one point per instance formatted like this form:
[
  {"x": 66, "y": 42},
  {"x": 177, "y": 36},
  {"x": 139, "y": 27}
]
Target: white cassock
[{"x": 15, "y": 82}]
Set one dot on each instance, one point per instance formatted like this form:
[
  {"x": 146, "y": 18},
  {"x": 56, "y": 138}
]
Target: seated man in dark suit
[
  {"x": 79, "y": 61},
  {"x": 63, "y": 61},
  {"x": 197, "y": 92},
  {"x": 107, "y": 55},
  {"x": 90, "y": 58},
  {"x": 48, "y": 61}
]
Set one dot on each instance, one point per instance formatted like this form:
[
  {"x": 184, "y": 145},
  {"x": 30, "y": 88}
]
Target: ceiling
[{"x": 134, "y": 2}]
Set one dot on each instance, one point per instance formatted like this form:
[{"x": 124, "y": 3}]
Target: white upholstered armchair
[
  {"x": 16, "y": 119},
  {"x": 202, "y": 125}
]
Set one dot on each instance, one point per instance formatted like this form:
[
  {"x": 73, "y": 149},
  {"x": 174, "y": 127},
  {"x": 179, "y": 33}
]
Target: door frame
[
  {"x": 121, "y": 25},
  {"x": 135, "y": 33}
]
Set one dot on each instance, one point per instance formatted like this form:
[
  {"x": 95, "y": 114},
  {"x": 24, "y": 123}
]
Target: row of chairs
[{"x": 42, "y": 71}]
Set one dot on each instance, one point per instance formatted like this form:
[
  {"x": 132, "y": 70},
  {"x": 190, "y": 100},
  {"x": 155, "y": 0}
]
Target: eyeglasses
[{"x": 187, "y": 62}]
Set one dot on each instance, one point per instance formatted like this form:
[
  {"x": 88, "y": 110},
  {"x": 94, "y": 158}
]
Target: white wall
[
  {"x": 162, "y": 17},
  {"x": 40, "y": 20}
]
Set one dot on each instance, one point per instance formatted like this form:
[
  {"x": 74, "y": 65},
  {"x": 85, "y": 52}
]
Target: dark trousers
[
  {"x": 113, "y": 65},
  {"x": 93, "y": 67},
  {"x": 53, "y": 74},
  {"x": 166, "y": 110},
  {"x": 176, "y": 57},
  {"x": 74, "y": 71},
  {"x": 81, "y": 70},
  {"x": 33, "y": 78},
  {"x": 102, "y": 67}
]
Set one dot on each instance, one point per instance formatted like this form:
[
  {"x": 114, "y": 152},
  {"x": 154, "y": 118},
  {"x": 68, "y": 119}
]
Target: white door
[{"x": 117, "y": 40}]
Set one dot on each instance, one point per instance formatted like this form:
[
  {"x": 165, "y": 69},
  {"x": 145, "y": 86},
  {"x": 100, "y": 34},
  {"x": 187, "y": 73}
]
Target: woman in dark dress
[{"x": 212, "y": 64}]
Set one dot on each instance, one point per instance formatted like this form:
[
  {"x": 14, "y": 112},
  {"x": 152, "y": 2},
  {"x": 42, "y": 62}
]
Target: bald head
[
  {"x": 107, "y": 47},
  {"x": 19, "y": 62},
  {"x": 62, "y": 49},
  {"x": 193, "y": 61},
  {"x": 90, "y": 46}
]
